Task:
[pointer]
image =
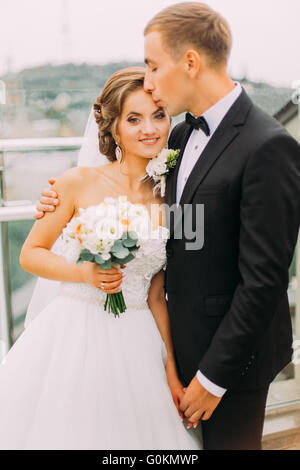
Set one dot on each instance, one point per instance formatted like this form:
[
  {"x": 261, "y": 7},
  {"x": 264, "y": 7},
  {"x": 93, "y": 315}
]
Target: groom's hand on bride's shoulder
[
  {"x": 197, "y": 403},
  {"x": 48, "y": 201}
]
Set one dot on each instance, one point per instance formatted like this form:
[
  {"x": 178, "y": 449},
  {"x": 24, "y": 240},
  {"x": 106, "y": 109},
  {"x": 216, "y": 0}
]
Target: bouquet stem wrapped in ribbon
[{"x": 107, "y": 234}]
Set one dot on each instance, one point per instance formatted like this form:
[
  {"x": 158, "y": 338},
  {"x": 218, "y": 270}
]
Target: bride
[{"x": 77, "y": 377}]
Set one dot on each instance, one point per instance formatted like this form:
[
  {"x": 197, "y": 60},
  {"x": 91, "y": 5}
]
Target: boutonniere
[{"x": 158, "y": 168}]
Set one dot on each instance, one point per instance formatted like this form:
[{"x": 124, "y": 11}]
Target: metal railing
[
  {"x": 48, "y": 143},
  {"x": 16, "y": 211}
]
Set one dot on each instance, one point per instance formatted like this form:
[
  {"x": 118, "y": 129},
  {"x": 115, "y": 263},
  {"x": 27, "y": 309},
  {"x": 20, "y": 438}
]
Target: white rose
[
  {"x": 70, "y": 228},
  {"x": 123, "y": 211},
  {"x": 150, "y": 168},
  {"x": 137, "y": 210},
  {"x": 161, "y": 168},
  {"x": 109, "y": 229},
  {"x": 90, "y": 242},
  {"x": 101, "y": 210},
  {"x": 122, "y": 199},
  {"x": 163, "y": 155},
  {"x": 73, "y": 250},
  {"x": 92, "y": 222},
  {"x": 111, "y": 211},
  {"x": 107, "y": 244},
  {"x": 110, "y": 200},
  {"x": 141, "y": 226}
]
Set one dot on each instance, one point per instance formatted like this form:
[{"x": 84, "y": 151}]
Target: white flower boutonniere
[{"x": 159, "y": 167}]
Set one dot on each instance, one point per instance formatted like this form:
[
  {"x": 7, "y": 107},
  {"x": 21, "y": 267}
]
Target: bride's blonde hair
[{"x": 109, "y": 105}]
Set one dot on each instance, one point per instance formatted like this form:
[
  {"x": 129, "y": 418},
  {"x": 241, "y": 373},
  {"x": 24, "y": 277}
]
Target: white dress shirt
[
  {"x": 198, "y": 140},
  {"x": 193, "y": 150}
]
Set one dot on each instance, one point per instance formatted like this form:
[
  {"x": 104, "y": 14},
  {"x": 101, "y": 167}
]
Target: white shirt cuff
[{"x": 210, "y": 386}]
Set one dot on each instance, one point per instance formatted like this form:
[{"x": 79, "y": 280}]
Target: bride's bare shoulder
[
  {"x": 93, "y": 172},
  {"x": 73, "y": 179},
  {"x": 79, "y": 178},
  {"x": 81, "y": 173}
]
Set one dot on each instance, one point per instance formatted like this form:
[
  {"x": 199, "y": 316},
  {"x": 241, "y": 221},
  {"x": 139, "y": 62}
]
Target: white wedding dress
[{"x": 79, "y": 378}]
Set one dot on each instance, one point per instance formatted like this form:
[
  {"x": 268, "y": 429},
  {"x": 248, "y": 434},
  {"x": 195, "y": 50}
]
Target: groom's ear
[{"x": 193, "y": 63}]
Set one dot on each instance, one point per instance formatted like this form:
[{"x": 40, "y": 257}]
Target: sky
[{"x": 266, "y": 34}]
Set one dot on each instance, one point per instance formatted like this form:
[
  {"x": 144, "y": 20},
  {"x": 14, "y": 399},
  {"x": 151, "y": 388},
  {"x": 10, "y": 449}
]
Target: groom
[{"x": 227, "y": 301}]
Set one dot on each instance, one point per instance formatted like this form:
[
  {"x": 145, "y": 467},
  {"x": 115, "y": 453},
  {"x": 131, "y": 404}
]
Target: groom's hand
[
  {"x": 197, "y": 402},
  {"x": 48, "y": 201}
]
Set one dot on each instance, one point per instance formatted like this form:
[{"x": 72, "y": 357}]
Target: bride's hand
[
  {"x": 107, "y": 280},
  {"x": 176, "y": 388},
  {"x": 177, "y": 392},
  {"x": 189, "y": 425}
]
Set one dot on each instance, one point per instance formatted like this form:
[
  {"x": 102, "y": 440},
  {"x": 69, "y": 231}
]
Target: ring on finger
[{"x": 102, "y": 285}]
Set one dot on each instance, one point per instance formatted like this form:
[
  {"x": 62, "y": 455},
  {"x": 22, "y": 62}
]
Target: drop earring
[{"x": 119, "y": 154}]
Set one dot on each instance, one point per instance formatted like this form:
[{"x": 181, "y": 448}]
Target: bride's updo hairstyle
[{"x": 109, "y": 105}]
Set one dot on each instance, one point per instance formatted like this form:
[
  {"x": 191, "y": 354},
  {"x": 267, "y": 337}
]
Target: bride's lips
[{"x": 150, "y": 141}]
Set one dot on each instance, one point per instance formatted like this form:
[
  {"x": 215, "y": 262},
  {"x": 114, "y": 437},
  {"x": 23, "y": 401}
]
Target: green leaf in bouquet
[
  {"x": 133, "y": 235},
  {"x": 86, "y": 255},
  {"x": 133, "y": 249},
  {"x": 128, "y": 258},
  {"x": 125, "y": 260},
  {"x": 128, "y": 242},
  {"x": 117, "y": 245},
  {"x": 106, "y": 264},
  {"x": 99, "y": 259},
  {"x": 119, "y": 250}
]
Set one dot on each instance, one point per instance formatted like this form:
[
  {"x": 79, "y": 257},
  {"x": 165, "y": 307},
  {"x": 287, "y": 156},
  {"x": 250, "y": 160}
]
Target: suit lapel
[
  {"x": 224, "y": 135},
  {"x": 214, "y": 149},
  {"x": 172, "y": 178}
]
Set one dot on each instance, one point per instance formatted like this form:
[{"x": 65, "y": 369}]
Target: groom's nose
[{"x": 148, "y": 85}]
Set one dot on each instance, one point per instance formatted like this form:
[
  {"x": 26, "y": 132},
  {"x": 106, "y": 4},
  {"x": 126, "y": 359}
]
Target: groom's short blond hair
[{"x": 193, "y": 24}]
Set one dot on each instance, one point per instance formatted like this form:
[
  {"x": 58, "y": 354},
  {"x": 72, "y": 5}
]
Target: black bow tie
[{"x": 197, "y": 123}]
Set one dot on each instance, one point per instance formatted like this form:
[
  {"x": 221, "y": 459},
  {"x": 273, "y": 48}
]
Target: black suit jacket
[{"x": 228, "y": 304}]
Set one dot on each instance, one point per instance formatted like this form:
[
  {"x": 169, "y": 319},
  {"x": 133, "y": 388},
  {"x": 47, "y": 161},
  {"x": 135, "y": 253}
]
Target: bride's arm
[
  {"x": 158, "y": 307},
  {"x": 35, "y": 256}
]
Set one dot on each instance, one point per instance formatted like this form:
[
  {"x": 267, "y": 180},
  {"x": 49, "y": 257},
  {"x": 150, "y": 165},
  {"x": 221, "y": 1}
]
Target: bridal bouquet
[
  {"x": 158, "y": 168},
  {"x": 108, "y": 235}
]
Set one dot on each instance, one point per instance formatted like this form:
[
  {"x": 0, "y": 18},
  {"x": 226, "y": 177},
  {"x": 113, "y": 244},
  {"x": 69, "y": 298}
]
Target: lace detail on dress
[{"x": 149, "y": 260}]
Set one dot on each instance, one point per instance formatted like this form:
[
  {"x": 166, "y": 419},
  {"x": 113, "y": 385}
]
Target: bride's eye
[
  {"x": 161, "y": 115},
  {"x": 132, "y": 120}
]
